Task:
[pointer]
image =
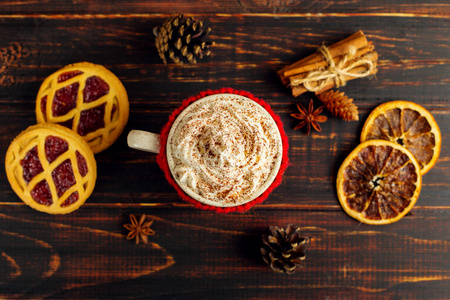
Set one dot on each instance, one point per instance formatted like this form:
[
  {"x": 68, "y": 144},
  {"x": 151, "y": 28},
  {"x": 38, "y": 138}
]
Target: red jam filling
[
  {"x": 94, "y": 89},
  {"x": 63, "y": 177},
  {"x": 67, "y": 123},
  {"x": 54, "y": 147},
  {"x": 82, "y": 165},
  {"x": 31, "y": 165},
  {"x": 44, "y": 106},
  {"x": 65, "y": 99},
  {"x": 41, "y": 193},
  {"x": 91, "y": 120},
  {"x": 67, "y": 75},
  {"x": 113, "y": 111},
  {"x": 71, "y": 199}
]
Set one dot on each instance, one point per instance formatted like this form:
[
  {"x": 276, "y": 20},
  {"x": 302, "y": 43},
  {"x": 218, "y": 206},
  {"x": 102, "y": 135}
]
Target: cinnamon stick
[
  {"x": 358, "y": 70},
  {"x": 300, "y": 89},
  {"x": 372, "y": 56},
  {"x": 302, "y": 61},
  {"x": 315, "y": 66},
  {"x": 358, "y": 43},
  {"x": 342, "y": 47}
]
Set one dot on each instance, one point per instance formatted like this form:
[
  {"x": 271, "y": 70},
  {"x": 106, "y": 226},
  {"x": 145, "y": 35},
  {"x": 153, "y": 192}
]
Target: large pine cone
[
  {"x": 283, "y": 250},
  {"x": 181, "y": 41}
]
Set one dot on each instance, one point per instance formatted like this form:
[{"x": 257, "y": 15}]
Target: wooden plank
[
  {"x": 438, "y": 7},
  {"x": 200, "y": 254},
  {"x": 212, "y": 251},
  {"x": 248, "y": 51},
  {"x": 254, "y": 47}
]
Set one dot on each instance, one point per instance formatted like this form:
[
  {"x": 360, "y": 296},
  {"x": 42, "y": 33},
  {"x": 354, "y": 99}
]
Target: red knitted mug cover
[{"x": 162, "y": 157}]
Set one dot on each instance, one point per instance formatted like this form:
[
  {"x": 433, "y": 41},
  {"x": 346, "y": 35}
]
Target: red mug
[{"x": 222, "y": 150}]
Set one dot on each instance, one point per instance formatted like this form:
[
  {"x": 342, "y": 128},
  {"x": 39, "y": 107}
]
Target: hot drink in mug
[{"x": 223, "y": 150}]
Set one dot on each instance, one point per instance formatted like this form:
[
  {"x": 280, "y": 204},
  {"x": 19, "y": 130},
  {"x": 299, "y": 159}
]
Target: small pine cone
[
  {"x": 283, "y": 250},
  {"x": 180, "y": 41},
  {"x": 339, "y": 105}
]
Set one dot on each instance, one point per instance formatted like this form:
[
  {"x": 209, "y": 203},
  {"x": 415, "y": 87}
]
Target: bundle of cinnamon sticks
[{"x": 351, "y": 58}]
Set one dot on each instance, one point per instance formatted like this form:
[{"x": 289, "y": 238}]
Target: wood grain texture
[
  {"x": 203, "y": 255},
  {"x": 409, "y": 67},
  {"x": 400, "y": 7},
  {"x": 206, "y": 256}
]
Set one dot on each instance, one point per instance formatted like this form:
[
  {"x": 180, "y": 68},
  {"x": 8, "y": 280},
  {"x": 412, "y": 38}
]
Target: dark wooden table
[{"x": 200, "y": 254}]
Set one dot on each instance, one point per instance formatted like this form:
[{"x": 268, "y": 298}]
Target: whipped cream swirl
[{"x": 224, "y": 150}]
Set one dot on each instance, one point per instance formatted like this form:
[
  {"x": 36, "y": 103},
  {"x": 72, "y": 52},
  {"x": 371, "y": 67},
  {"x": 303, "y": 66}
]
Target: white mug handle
[{"x": 144, "y": 141}]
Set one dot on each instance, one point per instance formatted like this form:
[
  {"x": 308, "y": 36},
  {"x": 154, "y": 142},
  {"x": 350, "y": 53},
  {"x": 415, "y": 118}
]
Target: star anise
[
  {"x": 309, "y": 117},
  {"x": 139, "y": 230}
]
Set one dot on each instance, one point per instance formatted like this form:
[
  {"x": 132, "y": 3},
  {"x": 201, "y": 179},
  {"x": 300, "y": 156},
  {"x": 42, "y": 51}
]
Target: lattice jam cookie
[
  {"x": 51, "y": 168},
  {"x": 87, "y": 98}
]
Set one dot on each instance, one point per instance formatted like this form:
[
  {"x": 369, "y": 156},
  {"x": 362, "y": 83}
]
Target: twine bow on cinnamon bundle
[{"x": 351, "y": 58}]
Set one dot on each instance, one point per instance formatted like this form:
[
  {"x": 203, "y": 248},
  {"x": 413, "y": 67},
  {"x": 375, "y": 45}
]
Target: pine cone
[
  {"x": 180, "y": 41},
  {"x": 339, "y": 105},
  {"x": 283, "y": 250}
]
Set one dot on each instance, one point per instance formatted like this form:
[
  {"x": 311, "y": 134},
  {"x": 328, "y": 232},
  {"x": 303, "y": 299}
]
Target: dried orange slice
[
  {"x": 408, "y": 124},
  {"x": 51, "y": 168},
  {"x": 379, "y": 182}
]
